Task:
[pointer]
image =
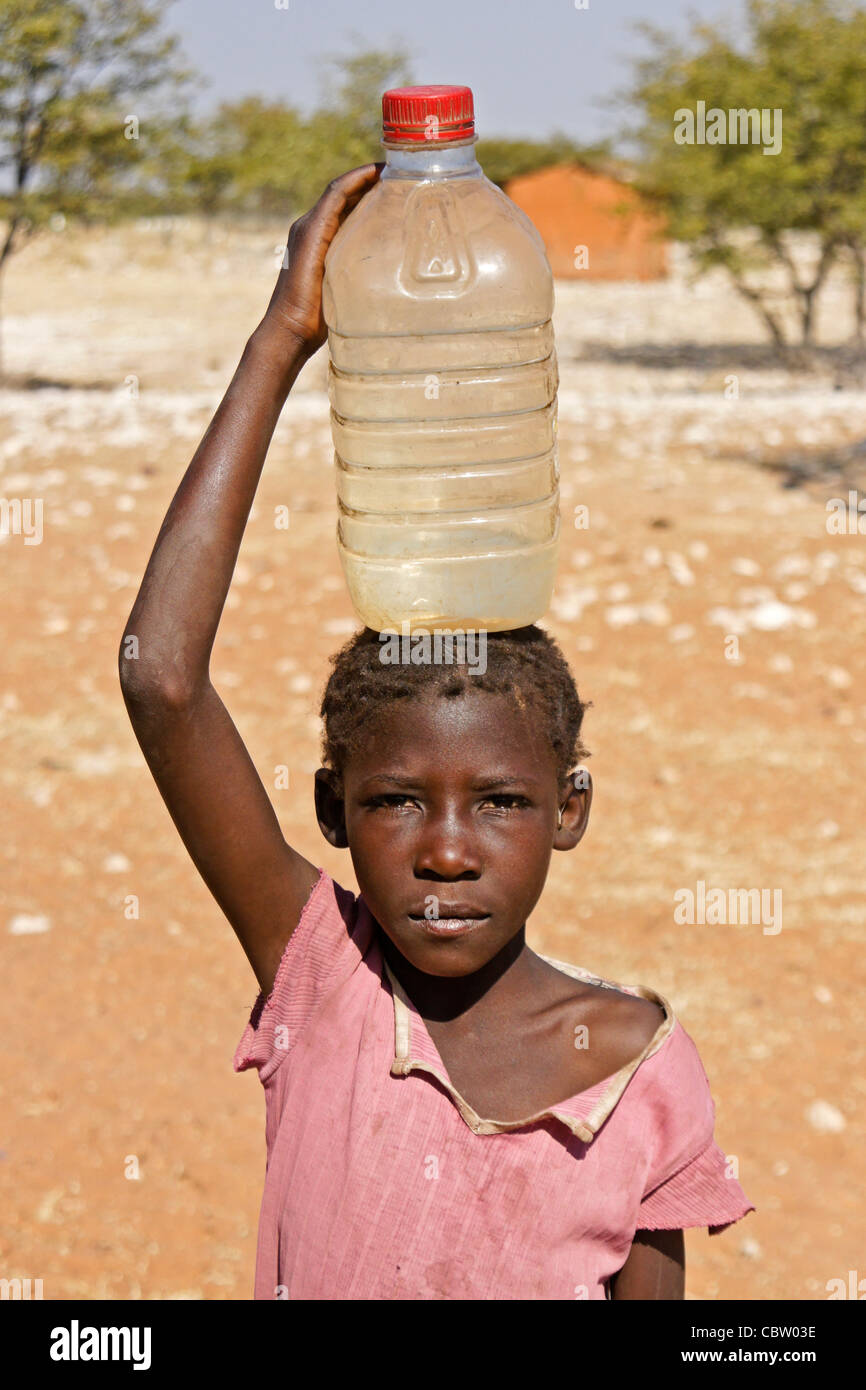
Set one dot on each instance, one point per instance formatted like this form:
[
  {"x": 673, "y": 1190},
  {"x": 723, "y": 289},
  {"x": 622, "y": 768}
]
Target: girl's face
[{"x": 451, "y": 815}]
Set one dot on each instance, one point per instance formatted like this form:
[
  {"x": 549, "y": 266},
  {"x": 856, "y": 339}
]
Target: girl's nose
[{"x": 447, "y": 850}]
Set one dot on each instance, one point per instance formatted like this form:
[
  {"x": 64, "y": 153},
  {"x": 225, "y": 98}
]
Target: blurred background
[{"x": 710, "y": 310}]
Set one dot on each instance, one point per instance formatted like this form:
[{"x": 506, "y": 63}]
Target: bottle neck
[{"x": 431, "y": 160}]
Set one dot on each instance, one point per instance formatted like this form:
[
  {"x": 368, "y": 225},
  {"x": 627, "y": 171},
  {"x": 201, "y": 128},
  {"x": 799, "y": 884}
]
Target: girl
[{"x": 449, "y": 1114}]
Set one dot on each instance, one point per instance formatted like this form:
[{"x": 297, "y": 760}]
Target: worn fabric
[{"x": 383, "y": 1183}]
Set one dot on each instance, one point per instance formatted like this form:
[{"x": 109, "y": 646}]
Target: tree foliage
[
  {"x": 735, "y": 205},
  {"x": 73, "y": 80},
  {"x": 266, "y": 157}
]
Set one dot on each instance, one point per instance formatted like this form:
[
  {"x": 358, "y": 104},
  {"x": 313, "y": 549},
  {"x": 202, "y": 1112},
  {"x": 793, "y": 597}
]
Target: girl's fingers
[
  {"x": 359, "y": 175},
  {"x": 351, "y": 186}
]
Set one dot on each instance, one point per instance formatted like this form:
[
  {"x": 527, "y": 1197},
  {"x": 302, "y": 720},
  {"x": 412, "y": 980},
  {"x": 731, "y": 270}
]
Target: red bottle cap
[{"x": 427, "y": 115}]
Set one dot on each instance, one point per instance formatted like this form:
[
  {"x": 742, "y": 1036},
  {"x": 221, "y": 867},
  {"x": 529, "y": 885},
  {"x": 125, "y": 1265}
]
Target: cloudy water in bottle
[{"x": 438, "y": 299}]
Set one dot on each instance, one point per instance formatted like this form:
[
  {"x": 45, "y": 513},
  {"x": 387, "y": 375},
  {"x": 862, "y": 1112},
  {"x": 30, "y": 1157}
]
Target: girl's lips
[{"x": 449, "y": 927}]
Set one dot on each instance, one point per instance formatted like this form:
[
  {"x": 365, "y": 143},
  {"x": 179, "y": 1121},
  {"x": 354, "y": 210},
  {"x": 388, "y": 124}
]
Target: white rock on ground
[
  {"x": 825, "y": 1117},
  {"x": 27, "y": 924}
]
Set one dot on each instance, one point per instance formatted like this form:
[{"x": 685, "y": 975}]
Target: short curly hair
[{"x": 524, "y": 664}]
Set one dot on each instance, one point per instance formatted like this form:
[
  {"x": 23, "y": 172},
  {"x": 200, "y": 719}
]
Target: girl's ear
[
  {"x": 330, "y": 809},
  {"x": 573, "y": 810}
]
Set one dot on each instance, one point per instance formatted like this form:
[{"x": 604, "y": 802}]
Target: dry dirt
[{"x": 741, "y": 771}]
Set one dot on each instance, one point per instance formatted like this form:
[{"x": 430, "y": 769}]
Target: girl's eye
[
  {"x": 398, "y": 801},
  {"x": 506, "y": 801}
]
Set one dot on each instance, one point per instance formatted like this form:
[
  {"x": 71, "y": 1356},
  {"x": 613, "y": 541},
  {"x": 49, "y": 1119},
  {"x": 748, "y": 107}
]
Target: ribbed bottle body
[{"x": 442, "y": 381}]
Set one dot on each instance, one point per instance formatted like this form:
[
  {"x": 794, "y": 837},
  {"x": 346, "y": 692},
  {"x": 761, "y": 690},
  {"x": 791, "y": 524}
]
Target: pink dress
[{"x": 383, "y": 1183}]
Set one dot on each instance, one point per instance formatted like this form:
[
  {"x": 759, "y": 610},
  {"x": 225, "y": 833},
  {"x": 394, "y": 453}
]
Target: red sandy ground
[{"x": 119, "y": 1033}]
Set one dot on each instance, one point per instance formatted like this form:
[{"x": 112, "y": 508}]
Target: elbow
[
  {"x": 127, "y": 661},
  {"x": 147, "y": 686}
]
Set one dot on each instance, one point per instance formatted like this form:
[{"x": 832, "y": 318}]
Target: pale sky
[{"x": 535, "y": 66}]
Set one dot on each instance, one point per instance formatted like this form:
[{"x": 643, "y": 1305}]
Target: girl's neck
[{"x": 498, "y": 988}]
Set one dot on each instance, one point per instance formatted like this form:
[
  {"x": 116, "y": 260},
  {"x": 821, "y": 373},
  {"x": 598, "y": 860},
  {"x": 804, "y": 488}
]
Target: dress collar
[{"x": 584, "y": 1114}]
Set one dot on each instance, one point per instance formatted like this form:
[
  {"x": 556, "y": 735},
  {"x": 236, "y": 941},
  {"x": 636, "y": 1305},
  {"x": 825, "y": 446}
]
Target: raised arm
[{"x": 196, "y": 755}]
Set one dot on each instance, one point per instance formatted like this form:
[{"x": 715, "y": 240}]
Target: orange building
[{"x": 593, "y": 226}]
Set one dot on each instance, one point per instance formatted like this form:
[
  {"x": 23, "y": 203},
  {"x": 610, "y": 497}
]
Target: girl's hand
[{"x": 296, "y": 303}]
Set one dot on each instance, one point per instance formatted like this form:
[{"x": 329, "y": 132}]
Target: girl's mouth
[{"x": 448, "y": 927}]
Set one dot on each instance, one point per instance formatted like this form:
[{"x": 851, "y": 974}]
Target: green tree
[
  {"x": 262, "y": 156},
  {"x": 735, "y": 205},
  {"x": 353, "y": 92},
  {"x": 198, "y": 169},
  {"x": 267, "y": 157},
  {"x": 73, "y": 80},
  {"x": 259, "y": 154}
]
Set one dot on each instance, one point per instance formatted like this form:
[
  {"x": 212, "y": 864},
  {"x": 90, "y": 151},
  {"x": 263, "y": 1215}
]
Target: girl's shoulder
[
  {"x": 661, "y": 1076},
  {"x": 632, "y": 1019},
  {"x": 666, "y": 1093},
  {"x": 675, "y": 1080}
]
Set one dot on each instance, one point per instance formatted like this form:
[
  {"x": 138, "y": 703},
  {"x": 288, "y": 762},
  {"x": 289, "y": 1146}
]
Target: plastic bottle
[{"x": 438, "y": 298}]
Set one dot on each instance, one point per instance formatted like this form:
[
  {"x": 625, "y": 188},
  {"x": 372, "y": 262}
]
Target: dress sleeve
[
  {"x": 689, "y": 1181},
  {"x": 329, "y": 942}
]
